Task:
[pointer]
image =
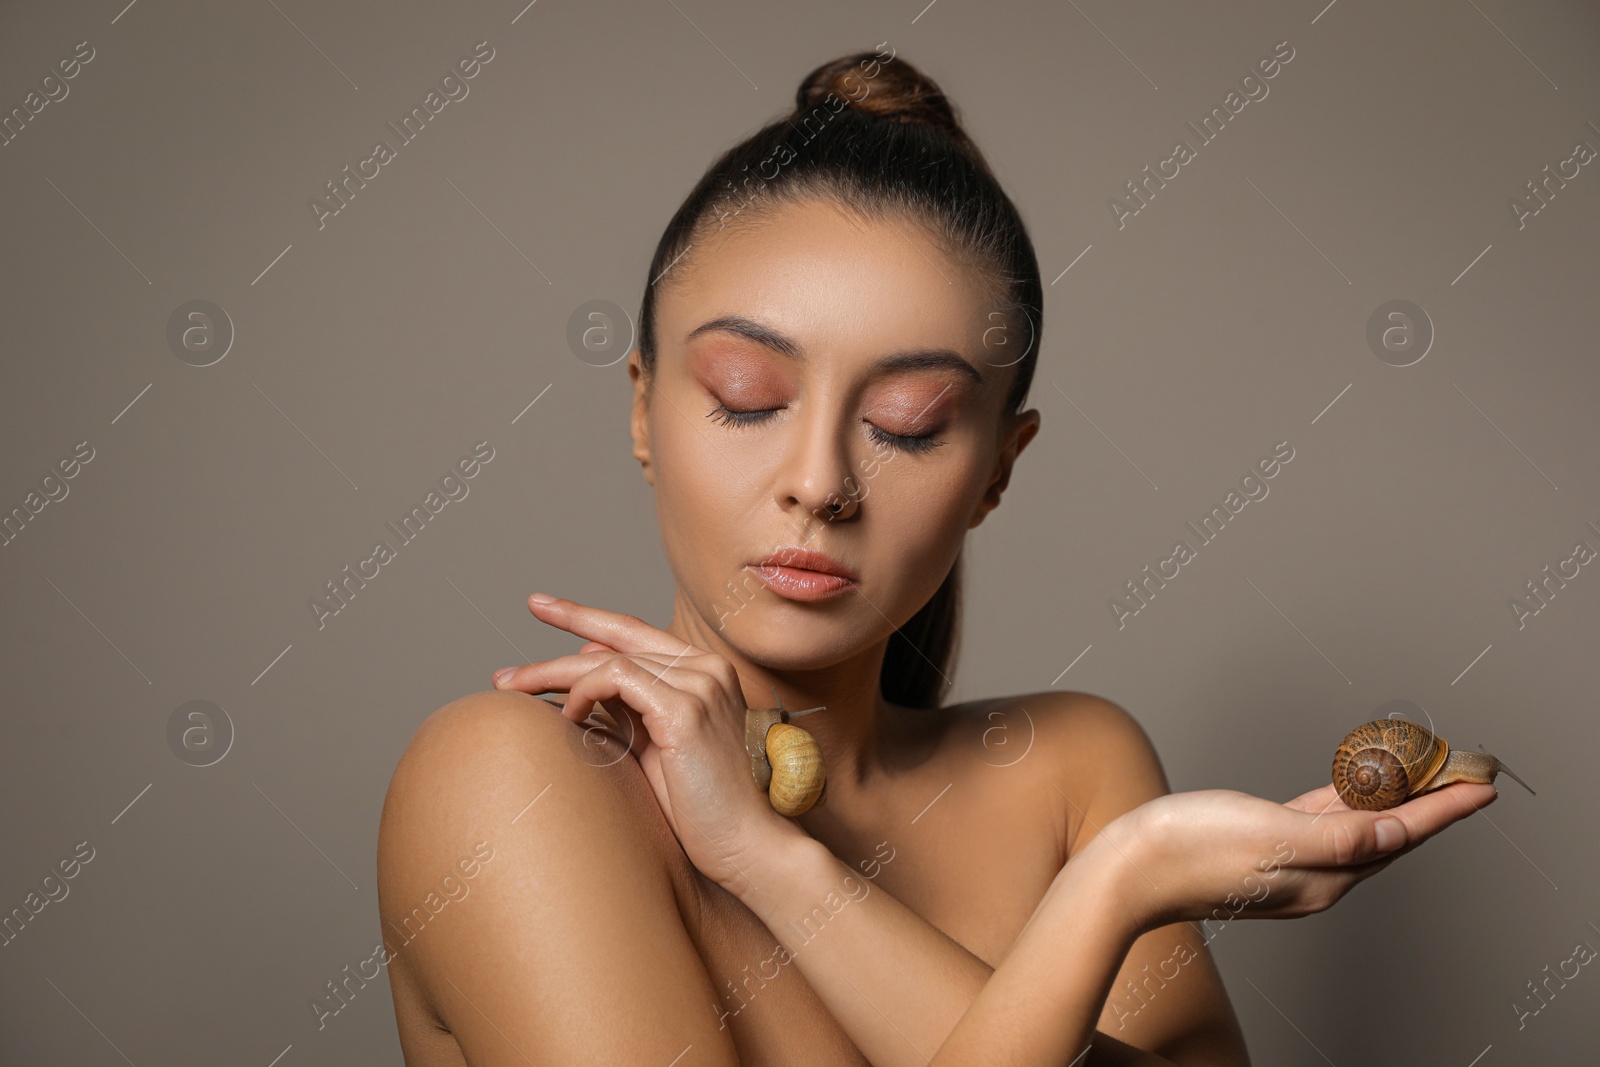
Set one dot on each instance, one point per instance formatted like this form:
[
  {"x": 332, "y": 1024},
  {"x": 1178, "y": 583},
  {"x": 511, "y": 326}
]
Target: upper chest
[{"x": 971, "y": 848}]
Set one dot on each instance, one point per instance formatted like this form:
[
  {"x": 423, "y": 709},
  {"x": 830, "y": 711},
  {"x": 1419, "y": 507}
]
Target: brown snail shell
[
  {"x": 1383, "y": 763},
  {"x": 785, "y": 761}
]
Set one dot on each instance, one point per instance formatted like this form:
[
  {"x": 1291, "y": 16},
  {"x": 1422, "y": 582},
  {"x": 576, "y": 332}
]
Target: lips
[
  {"x": 803, "y": 574},
  {"x": 807, "y": 560}
]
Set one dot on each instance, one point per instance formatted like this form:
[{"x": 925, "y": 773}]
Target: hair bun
[{"x": 888, "y": 88}]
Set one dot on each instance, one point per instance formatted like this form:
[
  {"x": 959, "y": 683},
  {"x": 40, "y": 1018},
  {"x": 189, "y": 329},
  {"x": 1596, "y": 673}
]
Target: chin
[{"x": 786, "y": 635}]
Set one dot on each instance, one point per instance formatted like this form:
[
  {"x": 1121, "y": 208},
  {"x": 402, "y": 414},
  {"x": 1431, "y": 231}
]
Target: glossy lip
[
  {"x": 792, "y": 557},
  {"x": 801, "y": 574}
]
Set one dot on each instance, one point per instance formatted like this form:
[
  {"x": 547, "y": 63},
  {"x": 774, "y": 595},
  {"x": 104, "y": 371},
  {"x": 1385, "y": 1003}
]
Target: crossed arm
[
  {"x": 1206, "y": 850},
  {"x": 573, "y": 929},
  {"x": 572, "y": 924},
  {"x": 1133, "y": 878},
  {"x": 1060, "y": 969}
]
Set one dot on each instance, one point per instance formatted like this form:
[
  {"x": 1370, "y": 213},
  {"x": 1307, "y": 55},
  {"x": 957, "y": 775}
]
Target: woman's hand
[
  {"x": 1218, "y": 853},
  {"x": 682, "y": 712}
]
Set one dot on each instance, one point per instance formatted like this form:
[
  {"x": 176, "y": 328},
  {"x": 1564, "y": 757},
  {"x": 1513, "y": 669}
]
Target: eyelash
[{"x": 904, "y": 442}]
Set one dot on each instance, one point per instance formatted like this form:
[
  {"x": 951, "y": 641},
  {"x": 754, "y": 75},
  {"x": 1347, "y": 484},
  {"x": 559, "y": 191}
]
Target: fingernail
[
  {"x": 503, "y": 675},
  {"x": 542, "y": 598},
  {"x": 1391, "y": 834}
]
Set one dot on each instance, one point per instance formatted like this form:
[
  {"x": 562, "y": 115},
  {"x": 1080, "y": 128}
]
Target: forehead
[{"x": 831, "y": 279}]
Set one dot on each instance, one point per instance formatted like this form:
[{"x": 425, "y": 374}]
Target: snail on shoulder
[
  {"x": 785, "y": 760},
  {"x": 1384, "y": 763}
]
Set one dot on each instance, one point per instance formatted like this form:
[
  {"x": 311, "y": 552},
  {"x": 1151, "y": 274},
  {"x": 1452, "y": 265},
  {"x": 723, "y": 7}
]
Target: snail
[
  {"x": 785, "y": 760},
  {"x": 1383, "y": 763}
]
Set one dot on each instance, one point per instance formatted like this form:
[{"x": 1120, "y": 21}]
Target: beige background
[{"x": 1226, "y": 317}]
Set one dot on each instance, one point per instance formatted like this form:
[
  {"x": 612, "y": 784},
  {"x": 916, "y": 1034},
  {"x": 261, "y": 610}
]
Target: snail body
[
  {"x": 785, "y": 761},
  {"x": 1385, "y": 762}
]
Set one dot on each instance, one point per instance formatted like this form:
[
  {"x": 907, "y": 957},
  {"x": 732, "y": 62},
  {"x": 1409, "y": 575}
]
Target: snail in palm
[
  {"x": 1384, "y": 763},
  {"x": 785, "y": 760}
]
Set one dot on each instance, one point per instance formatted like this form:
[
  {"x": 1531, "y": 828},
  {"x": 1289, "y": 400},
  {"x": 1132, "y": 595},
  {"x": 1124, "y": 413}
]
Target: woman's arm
[
  {"x": 1195, "y": 846},
  {"x": 1168, "y": 996},
  {"x": 1176, "y": 858},
  {"x": 898, "y": 985},
  {"x": 522, "y": 891},
  {"x": 1099, "y": 754},
  {"x": 684, "y": 710}
]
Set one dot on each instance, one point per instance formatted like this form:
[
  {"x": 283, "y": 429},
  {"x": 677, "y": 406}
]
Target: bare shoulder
[
  {"x": 1093, "y": 751},
  {"x": 1093, "y": 761},
  {"x": 494, "y": 765},
  {"x": 521, "y": 865},
  {"x": 493, "y": 730},
  {"x": 1081, "y": 732},
  {"x": 465, "y": 771},
  {"x": 473, "y": 774},
  {"x": 489, "y": 709}
]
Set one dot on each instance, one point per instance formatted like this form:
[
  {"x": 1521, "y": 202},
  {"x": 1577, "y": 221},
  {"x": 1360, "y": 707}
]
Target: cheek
[
  {"x": 918, "y": 525},
  {"x": 930, "y": 486},
  {"x": 919, "y": 506},
  {"x": 704, "y": 495},
  {"x": 920, "y": 509}
]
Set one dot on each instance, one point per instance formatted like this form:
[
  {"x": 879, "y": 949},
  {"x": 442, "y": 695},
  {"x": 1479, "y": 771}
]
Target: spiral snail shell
[
  {"x": 1383, "y": 763},
  {"x": 785, "y": 761}
]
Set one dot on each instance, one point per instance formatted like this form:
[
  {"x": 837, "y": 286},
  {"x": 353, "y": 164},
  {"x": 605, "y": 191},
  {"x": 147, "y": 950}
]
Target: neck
[{"x": 854, "y": 719}]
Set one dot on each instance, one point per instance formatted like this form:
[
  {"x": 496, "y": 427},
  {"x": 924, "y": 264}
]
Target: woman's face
[{"x": 814, "y": 358}]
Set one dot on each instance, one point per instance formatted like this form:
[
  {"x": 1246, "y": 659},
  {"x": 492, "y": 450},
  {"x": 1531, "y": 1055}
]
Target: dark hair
[{"x": 879, "y": 137}]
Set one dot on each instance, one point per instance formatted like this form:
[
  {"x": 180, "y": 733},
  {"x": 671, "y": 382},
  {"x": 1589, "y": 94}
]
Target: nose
[
  {"x": 816, "y": 474},
  {"x": 844, "y": 506}
]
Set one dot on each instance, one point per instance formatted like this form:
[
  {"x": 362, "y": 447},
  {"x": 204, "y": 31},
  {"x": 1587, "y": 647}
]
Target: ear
[
  {"x": 1024, "y": 426},
  {"x": 639, "y": 421}
]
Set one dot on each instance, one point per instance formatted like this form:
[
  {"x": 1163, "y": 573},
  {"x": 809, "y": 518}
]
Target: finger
[
  {"x": 1362, "y": 871},
  {"x": 629, "y": 727},
  {"x": 1349, "y": 877},
  {"x": 657, "y": 675},
  {"x": 708, "y": 676},
  {"x": 1317, "y": 801},
  {"x": 1349, "y": 839},
  {"x": 661, "y": 709},
  {"x": 625, "y": 633},
  {"x": 1421, "y": 817},
  {"x": 554, "y": 675},
  {"x": 1429, "y": 813}
]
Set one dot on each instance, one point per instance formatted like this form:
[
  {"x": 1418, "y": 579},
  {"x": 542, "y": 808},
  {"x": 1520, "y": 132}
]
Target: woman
[{"x": 839, "y": 332}]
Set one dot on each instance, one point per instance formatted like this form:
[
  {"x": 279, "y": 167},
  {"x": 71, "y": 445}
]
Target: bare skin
[
  {"x": 591, "y": 935},
  {"x": 591, "y": 923},
  {"x": 1203, "y": 855}
]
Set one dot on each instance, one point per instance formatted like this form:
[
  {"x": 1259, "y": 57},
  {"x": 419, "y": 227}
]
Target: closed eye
[
  {"x": 739, "y": 418},
  {"x": 905, "y": 442}
]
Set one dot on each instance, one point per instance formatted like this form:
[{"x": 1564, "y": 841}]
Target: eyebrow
[{"x": 767, "y": 337}]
